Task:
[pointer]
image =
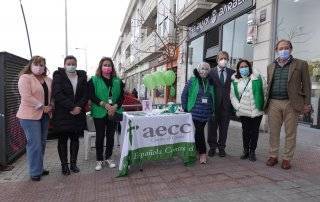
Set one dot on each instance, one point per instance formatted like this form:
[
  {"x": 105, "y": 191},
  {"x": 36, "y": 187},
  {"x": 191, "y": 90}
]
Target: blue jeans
[{"x": 36, "y": 132}]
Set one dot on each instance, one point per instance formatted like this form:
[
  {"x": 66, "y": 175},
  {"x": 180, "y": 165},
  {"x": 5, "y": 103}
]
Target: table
[{"x": 146, "y": 137}]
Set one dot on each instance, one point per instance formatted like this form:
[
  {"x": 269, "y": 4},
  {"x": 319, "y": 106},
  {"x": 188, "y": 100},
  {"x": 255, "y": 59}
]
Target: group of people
[
  {"x": 64, "y": 100},
  {"x": 213, "y": 94}
]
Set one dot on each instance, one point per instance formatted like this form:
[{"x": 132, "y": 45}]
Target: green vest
[
  {"x": 102, "y": 92},
  {"x": 257, "y": 90},
  {"x": 193, "y": 93}
]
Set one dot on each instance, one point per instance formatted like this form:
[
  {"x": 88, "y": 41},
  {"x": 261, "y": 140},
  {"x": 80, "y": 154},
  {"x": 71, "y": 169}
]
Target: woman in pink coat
[{"x": 34, "y": 111}]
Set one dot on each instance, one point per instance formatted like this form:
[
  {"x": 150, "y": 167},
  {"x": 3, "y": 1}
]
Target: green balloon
[
  {"x": 159, "y": 78},
  {"x": 169, "y": 77},
  {"x": 172, "y": 91},
  {"x": 148, "y": 81}
]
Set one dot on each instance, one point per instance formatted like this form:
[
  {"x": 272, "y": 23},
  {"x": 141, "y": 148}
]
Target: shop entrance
[{"x": 212, "y": 61}]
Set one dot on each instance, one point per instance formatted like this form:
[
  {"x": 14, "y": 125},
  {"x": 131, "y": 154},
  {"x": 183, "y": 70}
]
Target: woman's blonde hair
[{"x": 34, "y": 60}]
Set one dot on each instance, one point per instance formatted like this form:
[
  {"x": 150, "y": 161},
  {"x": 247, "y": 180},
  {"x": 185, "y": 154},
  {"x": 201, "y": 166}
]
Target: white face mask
[
  {"x": 71, "y": 69},
  {"x": 203, "y": 72},
  {"x": 37, "y": 70},
  {"x": 223, "y": 63}
]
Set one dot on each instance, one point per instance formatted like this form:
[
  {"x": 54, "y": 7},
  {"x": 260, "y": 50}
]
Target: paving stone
[{"x": 221, "y": 179}]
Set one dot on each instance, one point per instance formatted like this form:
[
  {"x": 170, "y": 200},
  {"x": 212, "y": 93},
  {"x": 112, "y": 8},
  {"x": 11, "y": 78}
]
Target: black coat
[
  {"x": 65, "y": 101},
  {"x": 222, "y": 97}
]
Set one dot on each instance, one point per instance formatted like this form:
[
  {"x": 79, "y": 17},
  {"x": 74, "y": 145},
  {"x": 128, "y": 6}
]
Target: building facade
[
  {"x": 146, "y": 33},
  {"x": 245, "y": 29}
]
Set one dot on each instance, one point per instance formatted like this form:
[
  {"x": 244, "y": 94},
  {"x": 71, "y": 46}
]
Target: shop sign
[{"x": 219, "y": 14}]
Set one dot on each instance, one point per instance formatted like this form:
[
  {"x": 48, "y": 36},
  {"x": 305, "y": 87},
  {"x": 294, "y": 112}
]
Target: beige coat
[{"x": 299, "y": 85}]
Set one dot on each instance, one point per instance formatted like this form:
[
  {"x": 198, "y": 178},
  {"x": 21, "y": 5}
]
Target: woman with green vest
[
  {"x": 106, "y": 94},
  {"x": 247, "y": 98},
  {"x": 198, "y": 99}
]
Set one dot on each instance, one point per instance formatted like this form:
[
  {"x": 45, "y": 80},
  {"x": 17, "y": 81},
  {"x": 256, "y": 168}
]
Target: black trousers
[
  {"x": 63, "y": 146},
  {"x": 250, "y": 132},
  {"x": 199, "y": 136},
  {"x": 220, "y": 121},
  {"x": 104, "y": 128}
]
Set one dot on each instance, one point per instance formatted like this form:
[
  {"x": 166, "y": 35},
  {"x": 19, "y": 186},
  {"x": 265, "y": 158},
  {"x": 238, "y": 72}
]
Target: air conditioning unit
[{"x": 12, "y": 138}]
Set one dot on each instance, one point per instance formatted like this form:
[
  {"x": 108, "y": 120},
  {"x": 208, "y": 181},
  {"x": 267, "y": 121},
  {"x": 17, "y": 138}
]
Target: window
[
  {"x": 297, "y": 21},
  {"x": 195, "y": 55},
  {"x": 234, "y": 40}
]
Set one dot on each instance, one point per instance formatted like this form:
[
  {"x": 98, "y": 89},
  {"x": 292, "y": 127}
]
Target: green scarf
[
  {"x": 193, "y": 91},
  {"x": 257, "y": 90},
  {"x": 102, "y": 92}
]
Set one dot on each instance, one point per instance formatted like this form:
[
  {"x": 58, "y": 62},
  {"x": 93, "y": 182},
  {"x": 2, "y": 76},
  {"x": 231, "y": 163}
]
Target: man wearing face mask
[
  {"x": 198, "y": 99},
  {"x": 220, "y": 77},
  {"x": 288, "y": 95},
  {"x": 70, "y": 96}
]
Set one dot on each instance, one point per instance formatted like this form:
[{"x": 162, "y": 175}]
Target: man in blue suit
[{"x": 220, "y": 76}]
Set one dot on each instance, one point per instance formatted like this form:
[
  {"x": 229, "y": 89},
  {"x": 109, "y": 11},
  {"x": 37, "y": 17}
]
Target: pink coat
[{"x": 32, "y": 97}]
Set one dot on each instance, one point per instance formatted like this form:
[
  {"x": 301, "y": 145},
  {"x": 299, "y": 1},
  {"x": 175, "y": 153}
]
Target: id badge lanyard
[
  {"x": 205, "y": 89},
  {"x": 109, "y": 98}
]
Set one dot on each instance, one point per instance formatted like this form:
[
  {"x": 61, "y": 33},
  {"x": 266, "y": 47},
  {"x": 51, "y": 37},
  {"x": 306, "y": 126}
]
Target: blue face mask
[
  {"x": 284, "y": 54},
  {"x": 244, "y": 71}
]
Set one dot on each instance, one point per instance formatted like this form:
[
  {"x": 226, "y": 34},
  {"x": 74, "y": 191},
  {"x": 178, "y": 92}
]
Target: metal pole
[
  {"x": 86, "y": 58},
  {"x": 66, "y": 25},
  {"x": 25, "y": 23}
]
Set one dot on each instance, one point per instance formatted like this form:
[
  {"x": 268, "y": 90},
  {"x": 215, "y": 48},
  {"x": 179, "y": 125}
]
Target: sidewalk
[{"x": 222, "y": 179}]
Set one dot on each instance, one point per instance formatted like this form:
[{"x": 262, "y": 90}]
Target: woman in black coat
[{"x": 69, "y": 91}]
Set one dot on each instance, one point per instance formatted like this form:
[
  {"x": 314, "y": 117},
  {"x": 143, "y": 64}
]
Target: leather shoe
[
  {"x": 286, "y": 165},
  {"x": 212, "y": 152},
  {"x": 36, "y": 178},
  {"x": 45, "y": 172},
  {"x": 65, "y": 169},
  {"x": 272, "y": 161},
  {"x": 74, "y": 168},
  {"x": 222, "y": 153},
  {"x": 252, "y": 156}
]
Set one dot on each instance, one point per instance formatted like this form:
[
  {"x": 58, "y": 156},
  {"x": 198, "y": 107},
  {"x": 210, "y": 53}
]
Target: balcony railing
[
  {"x": 148, "y": 12},
  {"x": 193, "y": 10}
]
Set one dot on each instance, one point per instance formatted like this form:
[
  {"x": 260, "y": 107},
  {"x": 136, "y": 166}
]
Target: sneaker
[
  {"x": 98, "y": 166},
  {"x": 203, "y": 159},
  {"x": 111, "y": 163},
  {"x": 222, "y": 153}
]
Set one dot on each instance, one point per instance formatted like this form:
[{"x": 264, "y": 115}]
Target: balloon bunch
[{"x": 160, "y": 78}]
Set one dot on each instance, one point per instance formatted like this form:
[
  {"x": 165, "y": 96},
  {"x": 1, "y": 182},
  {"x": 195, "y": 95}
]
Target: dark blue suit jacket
[{"x": 222, "y": 91}]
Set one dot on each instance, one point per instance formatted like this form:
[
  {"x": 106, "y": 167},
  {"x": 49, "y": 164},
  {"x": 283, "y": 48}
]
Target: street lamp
[
  {"x": 25, "y": 23},
  {"x": 85, "y": 56},
  {"x": 66, "y": 25}
]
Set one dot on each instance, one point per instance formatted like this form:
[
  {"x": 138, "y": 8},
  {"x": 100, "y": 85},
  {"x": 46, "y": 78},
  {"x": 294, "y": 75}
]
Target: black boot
[
  {"x": 245, "y": 155},
  {"x": 74, "y": 168},
  {"x": 252, "y": 156},
  {"x": 74, "y": 148},
  {"x": 65, "y": 169}
]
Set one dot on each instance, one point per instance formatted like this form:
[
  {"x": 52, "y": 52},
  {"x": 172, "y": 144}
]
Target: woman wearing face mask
[
  {"x": 34, "y": 111},
  {"x": 198, "y": 99},
  {"x": 106, "y": 94},
  {"x": 69, "y": 91},
  {"x": 247, "y": 98}
]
